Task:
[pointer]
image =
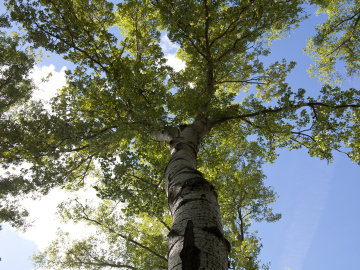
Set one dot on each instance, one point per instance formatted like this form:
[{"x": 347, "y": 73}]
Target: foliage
[
  {"x": 336, "y": 40},
  {"x": 15, "y": 88},
  {"x": 15, "y": 66},
  {"x": 134, "y": 243}
]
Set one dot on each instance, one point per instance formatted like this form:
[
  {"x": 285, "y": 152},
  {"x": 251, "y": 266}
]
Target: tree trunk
[{"x": 196, "y": 239}]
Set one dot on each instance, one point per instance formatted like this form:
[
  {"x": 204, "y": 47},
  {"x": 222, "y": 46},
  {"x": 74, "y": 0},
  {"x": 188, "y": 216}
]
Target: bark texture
[{"x": 196, "y": 240}]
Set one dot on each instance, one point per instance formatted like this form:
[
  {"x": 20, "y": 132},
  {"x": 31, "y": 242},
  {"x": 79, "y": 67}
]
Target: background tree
[
  {"x": 336, "y": 40},
  {"x": 15, "y": 88},
  {"x": 122, "y": 99}
]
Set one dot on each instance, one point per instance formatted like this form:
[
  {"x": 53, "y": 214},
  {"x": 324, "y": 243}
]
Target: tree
[
  {"x": 143, "y": 239},
  {"x": 15, "y": 87},
  {"x": 122, "y": 102}
]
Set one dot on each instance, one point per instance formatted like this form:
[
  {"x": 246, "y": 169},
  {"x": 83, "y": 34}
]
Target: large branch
[
  {"x": 221, "y": 120},
  {"x": 100, "y": 263},
  {"x": 233, "y": 47},
  {"x": 192, "y": 41}
]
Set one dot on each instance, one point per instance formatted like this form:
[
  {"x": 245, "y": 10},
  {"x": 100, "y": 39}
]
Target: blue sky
[
  {"x": 319, "y": 202},
  {"x": 319, "y": 205}
]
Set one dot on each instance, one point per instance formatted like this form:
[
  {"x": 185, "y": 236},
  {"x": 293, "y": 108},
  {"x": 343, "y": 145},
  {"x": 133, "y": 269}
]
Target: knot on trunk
[{"x": 190, "y": 254}]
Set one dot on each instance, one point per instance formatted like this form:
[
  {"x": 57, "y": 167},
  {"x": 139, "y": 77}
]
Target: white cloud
[
  {"x": 169, "y": 48},
  {"x": 174, "y": 62},
  {"x": 46, "y": 222},
  {"x": 47, "y": 90}
]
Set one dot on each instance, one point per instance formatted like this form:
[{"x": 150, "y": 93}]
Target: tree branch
[
  {"x": 231, "y": 26},
  {"x": 221, "y": 120},
  {"x": 143, "y": 180},
  {"x": 86, "y": 217}
]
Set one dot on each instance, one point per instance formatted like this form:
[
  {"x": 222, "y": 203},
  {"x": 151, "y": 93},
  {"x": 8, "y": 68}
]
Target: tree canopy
[
  {"x": 122, "y": 101},
  {"x": 15, "y": 88}
]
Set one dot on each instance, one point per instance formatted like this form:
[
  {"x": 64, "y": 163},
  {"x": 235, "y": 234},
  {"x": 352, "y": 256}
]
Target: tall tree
[
  {"x": 122, "y": 102},
  {"x": 139, "y": 241}
]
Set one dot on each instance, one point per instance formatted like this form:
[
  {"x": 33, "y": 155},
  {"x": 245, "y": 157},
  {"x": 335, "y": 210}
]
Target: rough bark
[{"x": 196, "y": 240}]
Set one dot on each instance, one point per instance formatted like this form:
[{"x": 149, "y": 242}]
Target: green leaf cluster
[
  {"x": 16, "y": 87},
  {"x": 336, "y": 41},
  {"x": 118, "y": 242}
]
